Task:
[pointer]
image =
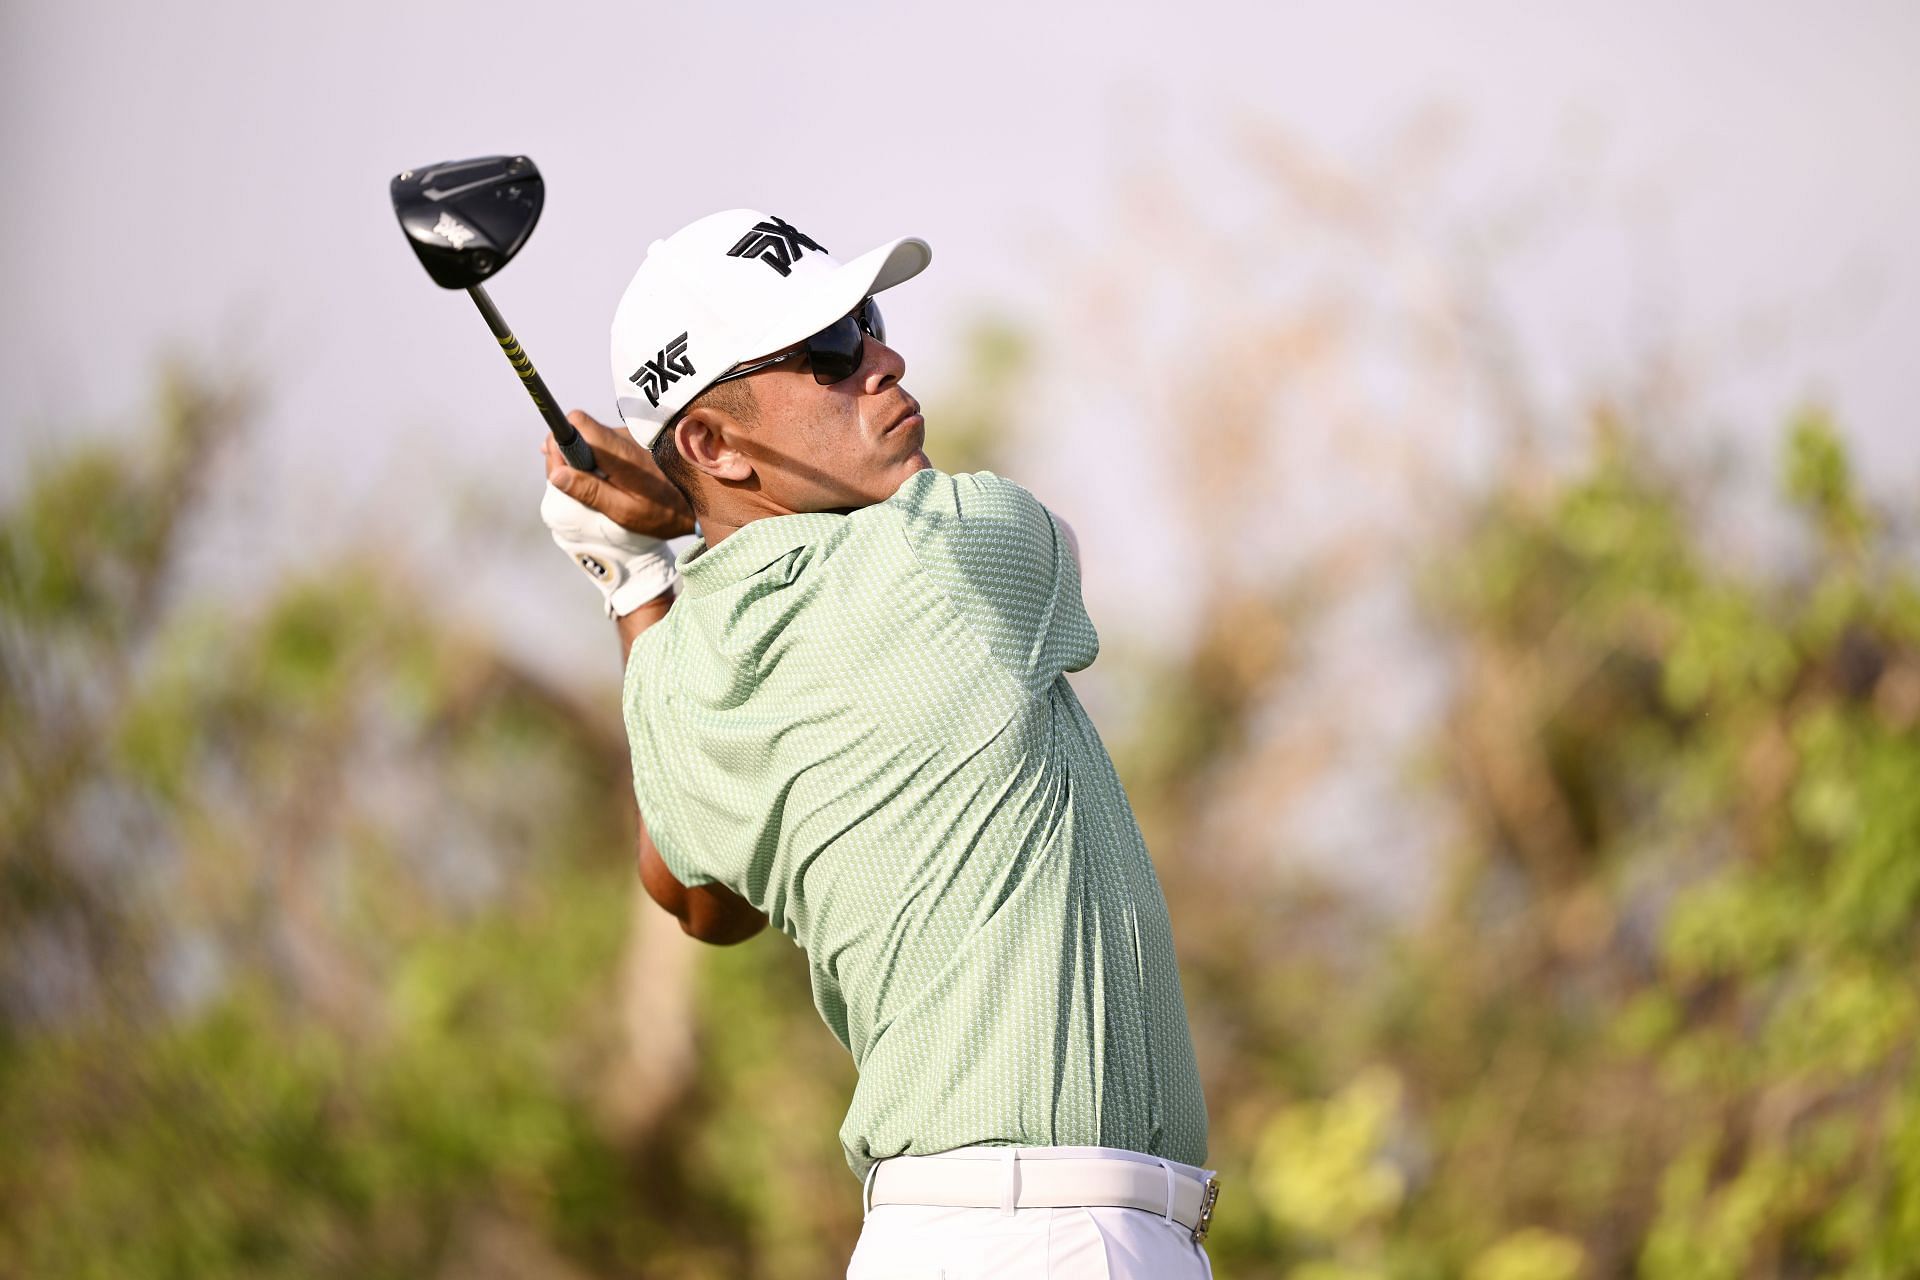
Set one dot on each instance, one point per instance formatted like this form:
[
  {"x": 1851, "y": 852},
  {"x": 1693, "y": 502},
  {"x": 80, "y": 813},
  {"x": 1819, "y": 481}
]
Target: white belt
[{"x": 1010, "y": 1183}]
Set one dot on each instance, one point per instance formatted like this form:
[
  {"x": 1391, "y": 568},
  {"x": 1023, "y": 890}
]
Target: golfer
[{"x": 849, "y": 716}]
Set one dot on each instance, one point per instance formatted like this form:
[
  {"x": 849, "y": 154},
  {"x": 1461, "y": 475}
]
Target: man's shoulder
[
  {"x": 974, "y": 514},
  {"x": 962, "y": 494}
]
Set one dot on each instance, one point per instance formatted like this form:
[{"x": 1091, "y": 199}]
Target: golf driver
[{"x": 465, "y": 220}]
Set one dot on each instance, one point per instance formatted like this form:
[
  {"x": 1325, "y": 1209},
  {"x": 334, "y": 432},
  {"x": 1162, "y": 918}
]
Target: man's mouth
[{"x": 911, "y": 418}]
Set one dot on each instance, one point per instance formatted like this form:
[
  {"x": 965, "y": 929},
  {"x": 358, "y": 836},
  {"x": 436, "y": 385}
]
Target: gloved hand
[
  {"x": 629, "y": 568},
  {"x": 611, "y": 522}
]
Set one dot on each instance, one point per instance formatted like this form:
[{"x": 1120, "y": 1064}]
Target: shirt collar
[{"x": 749, "y": 549}]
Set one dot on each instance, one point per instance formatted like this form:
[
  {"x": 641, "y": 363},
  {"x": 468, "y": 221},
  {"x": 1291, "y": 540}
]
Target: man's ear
[{"x": 706, "y": 439}]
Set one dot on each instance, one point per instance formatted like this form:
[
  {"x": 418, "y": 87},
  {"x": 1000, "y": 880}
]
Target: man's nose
[{"x": 884, "y": 366}]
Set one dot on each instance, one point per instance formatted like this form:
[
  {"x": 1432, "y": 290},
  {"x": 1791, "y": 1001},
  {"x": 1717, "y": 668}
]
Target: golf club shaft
[{"x": 577, "y": 452}]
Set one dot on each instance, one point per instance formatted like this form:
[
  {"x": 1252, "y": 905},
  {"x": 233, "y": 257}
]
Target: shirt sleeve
[
  {"x": 1003, "y": 560},
  {"x": 645, "y": 706}
]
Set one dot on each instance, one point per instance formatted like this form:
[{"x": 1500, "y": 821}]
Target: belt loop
[
  {"x": 866, "y": 1191},
  {"x": 1010, "y": 1193},
  {"x": 1168, "y": 1170}
]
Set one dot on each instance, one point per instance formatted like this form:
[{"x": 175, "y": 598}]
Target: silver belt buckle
[{"x": 1208, "y": 1198}]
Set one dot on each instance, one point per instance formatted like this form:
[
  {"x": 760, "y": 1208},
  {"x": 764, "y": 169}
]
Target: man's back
[{"x": 860, "y": 724}]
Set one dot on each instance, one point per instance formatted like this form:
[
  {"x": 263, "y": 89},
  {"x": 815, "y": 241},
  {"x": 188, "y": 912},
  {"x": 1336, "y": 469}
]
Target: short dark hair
[{"x": 736, "y": 399}]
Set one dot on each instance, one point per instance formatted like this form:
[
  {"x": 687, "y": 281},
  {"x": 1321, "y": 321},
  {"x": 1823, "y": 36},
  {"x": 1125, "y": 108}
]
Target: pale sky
[{"x": 211, "y": 178}]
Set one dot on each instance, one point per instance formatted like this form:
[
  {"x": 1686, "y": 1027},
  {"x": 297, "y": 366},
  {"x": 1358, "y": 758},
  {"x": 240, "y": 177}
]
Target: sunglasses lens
[
  {"x": 835, "y": 351},
  {"x": 870, "y": 320}
]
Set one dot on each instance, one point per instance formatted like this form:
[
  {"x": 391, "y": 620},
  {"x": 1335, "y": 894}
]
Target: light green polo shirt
[{"x": 861, "y": 724}]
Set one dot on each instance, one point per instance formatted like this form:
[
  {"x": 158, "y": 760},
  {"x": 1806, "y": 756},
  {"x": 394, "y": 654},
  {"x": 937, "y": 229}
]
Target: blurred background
[{"x": 1489, "y": 430}]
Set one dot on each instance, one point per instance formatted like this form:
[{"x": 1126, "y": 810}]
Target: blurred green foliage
[
  {"x": 319, "y": 954},
  {"x": 1663, "y": 1022}
]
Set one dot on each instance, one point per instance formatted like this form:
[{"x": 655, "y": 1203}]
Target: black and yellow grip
[{"x": 576, "y": 451}]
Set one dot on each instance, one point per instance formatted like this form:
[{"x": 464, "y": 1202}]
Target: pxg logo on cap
[
  {"x": 777, "y": 243},
  {"x": 667, "y": 367}
]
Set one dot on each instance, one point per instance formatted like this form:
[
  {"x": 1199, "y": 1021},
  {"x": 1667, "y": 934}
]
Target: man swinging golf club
[{"x": 852, "y": 719}]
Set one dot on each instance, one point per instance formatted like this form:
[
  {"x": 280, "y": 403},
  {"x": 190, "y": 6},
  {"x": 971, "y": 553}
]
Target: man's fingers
[
  {"x": 555, "y": 463},
  {"x": 624, "y": 461},
  {"x": 627, "y": 488},
  {"x": 616, "y": 440},
  {"x": 627, "y": 465},
  {"x": 583, "y": 421},
  {"x": 623, "y": 508},
  {"x": 618, "y": 453},
  {"x": 586, "y": 488},
  {"x": 577, "y": 485}
]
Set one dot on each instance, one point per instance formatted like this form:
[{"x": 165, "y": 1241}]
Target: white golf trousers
[{"x": 918, "y": 1242}]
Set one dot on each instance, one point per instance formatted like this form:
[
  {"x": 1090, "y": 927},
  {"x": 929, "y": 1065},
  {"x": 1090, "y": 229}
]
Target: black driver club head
[{"x": 467, "y": 218}]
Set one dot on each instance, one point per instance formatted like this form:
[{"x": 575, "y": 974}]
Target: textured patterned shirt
[{"x": 861, "y": 724}]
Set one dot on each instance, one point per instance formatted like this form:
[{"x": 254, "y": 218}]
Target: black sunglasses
[{"x": 835, "y": 351}]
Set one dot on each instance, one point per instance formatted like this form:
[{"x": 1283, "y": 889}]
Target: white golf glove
[{"x": 629, "y": 568}]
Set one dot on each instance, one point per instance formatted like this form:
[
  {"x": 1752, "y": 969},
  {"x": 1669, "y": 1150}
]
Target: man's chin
[
  {"x": 912, "y": 463},
  {"x": 915, "y": 461}
]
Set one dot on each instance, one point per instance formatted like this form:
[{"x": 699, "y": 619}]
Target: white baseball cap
[{"x": 726, "y": 289}]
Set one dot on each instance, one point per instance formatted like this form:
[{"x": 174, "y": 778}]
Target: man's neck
[
  {"x": 724, "y": 520},
  {"x": 716, "y": 533}
]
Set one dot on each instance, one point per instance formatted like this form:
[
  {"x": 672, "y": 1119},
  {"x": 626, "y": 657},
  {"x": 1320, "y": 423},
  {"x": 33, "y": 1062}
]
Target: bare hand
[{"x": 628, "y": 488}]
